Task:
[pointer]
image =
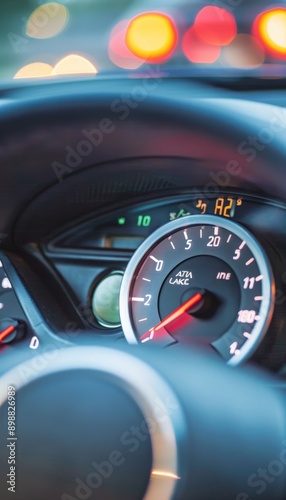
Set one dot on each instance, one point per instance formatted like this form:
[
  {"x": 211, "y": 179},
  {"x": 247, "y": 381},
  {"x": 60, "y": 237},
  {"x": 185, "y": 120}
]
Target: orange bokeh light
[
  {"x": 151, "y": 36},
  {"x": 198, "y": 51},
  {"x": 270, "y": 28},
  {"x": 118, "y": 51},
  {"x": 215, "y": 25}
]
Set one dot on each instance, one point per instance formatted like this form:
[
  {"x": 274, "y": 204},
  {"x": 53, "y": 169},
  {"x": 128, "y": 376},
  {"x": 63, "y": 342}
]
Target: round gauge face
[{"x": 202, "y": 280}]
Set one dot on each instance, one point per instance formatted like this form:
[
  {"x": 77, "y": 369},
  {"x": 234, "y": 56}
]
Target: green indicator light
[
  {"x": 144, "y": 220},
  {"x": 121, "y": 221}
]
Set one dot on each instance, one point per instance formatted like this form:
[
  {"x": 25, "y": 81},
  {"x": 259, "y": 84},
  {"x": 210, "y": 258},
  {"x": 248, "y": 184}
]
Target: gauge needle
[
  {"x": 193, "y": 301},
  {"x": 5, "y": 333}
]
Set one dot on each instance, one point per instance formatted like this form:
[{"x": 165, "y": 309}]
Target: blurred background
[{"x": 216, "y": 38}]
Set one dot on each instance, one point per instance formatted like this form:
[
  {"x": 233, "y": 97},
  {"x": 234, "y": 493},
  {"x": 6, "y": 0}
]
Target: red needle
[
  {"x": 6, "y": 332},
  {"x": 193, "y": 301}
]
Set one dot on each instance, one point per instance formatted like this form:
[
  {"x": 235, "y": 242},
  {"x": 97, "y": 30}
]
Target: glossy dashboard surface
[
  {"x": 92, "y": 253},
  {"x": 74, "y": 227}
]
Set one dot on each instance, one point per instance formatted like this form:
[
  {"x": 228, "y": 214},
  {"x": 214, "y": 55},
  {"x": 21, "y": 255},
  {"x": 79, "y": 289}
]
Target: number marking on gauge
[
  {"x": 202, "y": 291},
  {"x": 234, "y": 350}
]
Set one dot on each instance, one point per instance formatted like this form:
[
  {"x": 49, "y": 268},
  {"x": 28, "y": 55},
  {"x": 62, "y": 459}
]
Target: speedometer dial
[{"x": 203, "y": 280}]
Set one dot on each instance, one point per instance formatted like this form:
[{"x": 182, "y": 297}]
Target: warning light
[
  {"x": 121, "y": 221},
  {"x": 202, "y": 206}
]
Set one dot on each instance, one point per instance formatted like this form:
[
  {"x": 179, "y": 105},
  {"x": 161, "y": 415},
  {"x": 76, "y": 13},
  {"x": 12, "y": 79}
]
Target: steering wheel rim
[{"x": 40, "y": 127}]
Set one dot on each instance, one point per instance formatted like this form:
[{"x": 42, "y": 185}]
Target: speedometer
[{"x": 203, "y": 280}]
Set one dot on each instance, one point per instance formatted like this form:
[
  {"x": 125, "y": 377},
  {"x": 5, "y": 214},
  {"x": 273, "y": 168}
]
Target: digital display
[
  {"x": 122, "y": 242},
  {"x": 127, "y": 229}
]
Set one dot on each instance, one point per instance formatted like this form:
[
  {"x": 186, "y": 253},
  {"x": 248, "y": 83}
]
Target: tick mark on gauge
[
  {"x": 257, "y": 317},
  {"x": 229, "y": 238},
  {"x": 258, "y": 297},
  {"x": 247, "y": 335},
  {"x": 145, "y": 340},
  {"x": 234, "y": 350},
  {"x": 249, "y": 261},
  {"x": 146, "y": 279},
  {"x": 154, "y": 258},
  {"x": 259, "y": 278},
  {"x": 143, "y": 319},
  {"x": 186, "y": 235},
  {"x": 241, "y": 245},
  {"x": 137, "y": 299},
  {"x": 216, "y": 230},
  {"x": 172, "y": 245}
]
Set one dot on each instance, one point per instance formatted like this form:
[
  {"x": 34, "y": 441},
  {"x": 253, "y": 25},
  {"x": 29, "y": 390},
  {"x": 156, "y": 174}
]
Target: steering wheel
[{"x": 107, "y": 420}]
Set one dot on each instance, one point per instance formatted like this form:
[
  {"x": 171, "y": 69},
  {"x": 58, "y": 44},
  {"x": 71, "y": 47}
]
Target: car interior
[{"x": 143, "y": 250}]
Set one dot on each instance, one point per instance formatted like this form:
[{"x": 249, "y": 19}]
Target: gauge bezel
[{"x": 268, "y": 285}]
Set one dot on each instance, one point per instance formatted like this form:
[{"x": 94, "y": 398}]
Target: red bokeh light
[
  {"x": 118, "y": 51},
  {"x": 215, "y": 25},
  {"x": 198, "y": 51}
]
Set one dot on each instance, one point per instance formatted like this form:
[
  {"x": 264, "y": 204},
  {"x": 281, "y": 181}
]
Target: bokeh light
[
  {"x": 47, "y": 20},
  {"x": 118, "y": 51},
  {"x": 74, "y": 64},
  {"x": 270, "y": 28},
  {"x": 198, "y": 51},
  {"x": 215, "y": 25},
  {"x": 35, "y": 70},
  {"x": 152, "y": 36},
  {"x": 244, "y": 52}
]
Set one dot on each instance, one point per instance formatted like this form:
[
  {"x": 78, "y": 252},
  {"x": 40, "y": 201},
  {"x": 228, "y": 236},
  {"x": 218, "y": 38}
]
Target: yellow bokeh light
[
  {"x": 73, "y": 64},
  {"x": 276, "y": 28},
  {"x": 35, "y": 70},
  {"x": 151, "y": 36},
  {"x": 47, "y": 20},
  {"x": 270, "y": 26}
]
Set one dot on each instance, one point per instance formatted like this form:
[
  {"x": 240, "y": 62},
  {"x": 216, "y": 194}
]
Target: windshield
[{"x": 221, "y": 38}]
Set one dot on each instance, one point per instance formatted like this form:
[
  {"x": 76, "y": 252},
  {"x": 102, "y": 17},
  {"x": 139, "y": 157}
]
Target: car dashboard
[
  {"x": 143, "y": 261},
  {"x": 78, "y": 220}
]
